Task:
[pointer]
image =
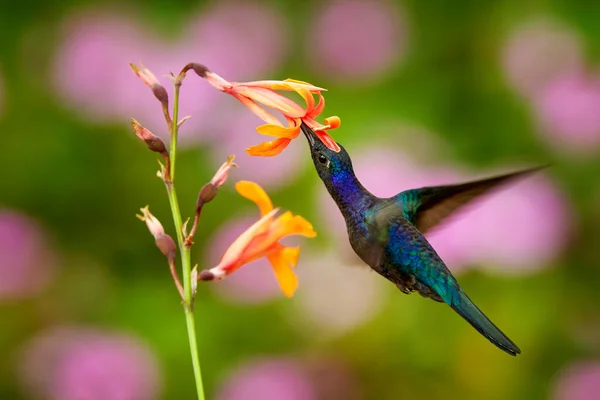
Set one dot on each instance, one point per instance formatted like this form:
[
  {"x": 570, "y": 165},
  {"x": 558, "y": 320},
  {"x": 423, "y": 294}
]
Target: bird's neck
[{"x": 349, "y": 194}]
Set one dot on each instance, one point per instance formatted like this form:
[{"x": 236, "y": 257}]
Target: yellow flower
[{"x": 262, "y": 240}]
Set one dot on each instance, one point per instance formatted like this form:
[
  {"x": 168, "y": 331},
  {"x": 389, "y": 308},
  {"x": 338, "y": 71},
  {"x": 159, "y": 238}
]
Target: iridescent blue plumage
[{"x": 387, "y": 233}]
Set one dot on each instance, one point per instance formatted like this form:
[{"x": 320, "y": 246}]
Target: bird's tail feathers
[{"x": 469, "y": 311}]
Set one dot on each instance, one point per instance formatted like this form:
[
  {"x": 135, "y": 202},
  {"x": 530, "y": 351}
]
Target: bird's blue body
[{"x": 387, "y": 233}]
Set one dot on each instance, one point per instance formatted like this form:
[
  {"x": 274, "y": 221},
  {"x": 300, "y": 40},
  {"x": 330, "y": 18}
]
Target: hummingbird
[{"x": 388, "y": 233}]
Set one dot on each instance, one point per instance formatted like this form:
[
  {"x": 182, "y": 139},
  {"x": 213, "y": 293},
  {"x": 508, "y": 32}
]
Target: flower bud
[
  {"x": 199, "y": 69},
  {"x": 153, "y": 142},
  {"x": 163, "y": 241},
  {"x": 148, "y": 78},
  {"x": 166, "y": 244},
  {"x": 161, "y": 94},
  {"x": 223, "y": 172},
  {"x": 206, "y": 275},
  {"x": 209, "y": 191}
]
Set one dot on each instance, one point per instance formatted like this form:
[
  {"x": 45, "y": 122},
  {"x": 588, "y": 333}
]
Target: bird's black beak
[{"x": 310, "y": 134}]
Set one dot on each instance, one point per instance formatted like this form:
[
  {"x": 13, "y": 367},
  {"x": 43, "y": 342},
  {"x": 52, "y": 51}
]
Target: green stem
[{"x": 185, "y": 250}]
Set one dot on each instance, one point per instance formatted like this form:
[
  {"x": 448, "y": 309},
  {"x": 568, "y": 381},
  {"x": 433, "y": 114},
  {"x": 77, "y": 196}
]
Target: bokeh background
[{"x": 429, "y": 92}]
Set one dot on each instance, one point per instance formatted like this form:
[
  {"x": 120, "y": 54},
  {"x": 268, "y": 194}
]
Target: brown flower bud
[
  {"x": 163, "y": 241},
  {"x": 207, "y": 193},
  {"x": 206, "y": 275},
  {"x": 161, "y": 94},
  {"x": 148, "y": 78},
  {"x": 153, "y": 142},
  {"x": 199, "y": 69},
  {"x": 166, "y": 244}
]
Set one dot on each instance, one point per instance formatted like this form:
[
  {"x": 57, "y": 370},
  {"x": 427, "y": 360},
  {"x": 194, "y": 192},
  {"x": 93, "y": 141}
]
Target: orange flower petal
[
  {"x": 218, "y": 82},
  {"x": 287, "y": 85},
  {"x": 257, "y": 248},
  {"x": 288, "y": 224},
  {"x": 333, "y": 122},
  {"x": 287, "y": 279},
  {"x": 296, "y": 81},
  {"x": 291, "y": 83},
  {"x": 279, "y": 131},
  {"x": 233, "y": 257},
  {"x": 272, "y": 99},
  {"x": 293, "y": 122},
  {"x": 269, "y": 149},
  {"x": 306, "y": 95},
  {"x": 290, "y": 255},
  {"x": 328, "y": 141},
  {"x": 316, "y": 111},
  {"x": 256, "y": 109},
  {"x": 253, "y": 192},
  {"x": 300, "y": 226}
]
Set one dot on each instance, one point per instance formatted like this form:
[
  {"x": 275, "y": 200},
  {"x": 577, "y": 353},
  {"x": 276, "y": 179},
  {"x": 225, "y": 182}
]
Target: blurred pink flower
[
  {"x": 74, "y": 363},
  {"x": 538, "y": 52},
  {"x": 91, "y": 69},
  {"x": 239, "y": 133},
  {"x": 333, "y": 378},
  {"x": 329, "y": 303},
  {"x": 248, "y": 285},
  {"x": 578, "y": 381},
  {"x": 268, "y": 379},
  {"x": 357, "y": 38},
  {"x": 27, "y": 263},
  {"x": 518, "y": 229},
  {"x": 569, "y": 113}
]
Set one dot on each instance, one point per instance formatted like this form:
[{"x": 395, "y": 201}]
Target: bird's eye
[{"x": 322, "y": 159}]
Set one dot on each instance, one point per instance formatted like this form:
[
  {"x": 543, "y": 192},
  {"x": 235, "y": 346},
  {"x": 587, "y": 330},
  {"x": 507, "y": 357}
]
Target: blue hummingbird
[{"x": 387, "y": 233}]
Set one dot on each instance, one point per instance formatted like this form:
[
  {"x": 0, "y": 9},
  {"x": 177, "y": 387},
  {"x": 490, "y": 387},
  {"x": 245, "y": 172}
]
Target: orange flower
[
  {"x": 265, "y": 93},
  {"x": 262, "y": 240}
]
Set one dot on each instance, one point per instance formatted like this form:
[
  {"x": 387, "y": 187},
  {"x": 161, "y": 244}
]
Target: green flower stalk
[{"x": 184, "y": 240}]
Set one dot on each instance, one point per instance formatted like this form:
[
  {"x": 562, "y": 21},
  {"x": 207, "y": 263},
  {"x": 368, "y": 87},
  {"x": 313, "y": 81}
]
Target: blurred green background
[{"x": 461, "y": 88}]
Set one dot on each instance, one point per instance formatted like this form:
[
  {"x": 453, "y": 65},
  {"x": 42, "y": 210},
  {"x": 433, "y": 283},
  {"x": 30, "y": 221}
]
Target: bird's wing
[{"x": 428, "y": 206}]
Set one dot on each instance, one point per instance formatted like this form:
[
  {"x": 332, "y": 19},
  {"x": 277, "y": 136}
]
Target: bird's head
[{"x": 330, "y": 165}]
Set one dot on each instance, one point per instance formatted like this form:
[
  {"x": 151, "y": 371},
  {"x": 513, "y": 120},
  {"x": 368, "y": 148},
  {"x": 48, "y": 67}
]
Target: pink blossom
[
  {"x": 282, "y": 378},
  {"x": 329, "y": 303},
  {"x": 268, "y": 379},
  {"x": 91, "y": 67},
  {"x": 569, "y": 113},
  {"x": 27, "y": 262},
  {"x": 519, "y": 228},
  {"x": 92, "y": 74},
  {"x": 357, "y": 38},
  {"x": 578, "y": 381},
  {"x": 75, "y": 363},
  {"x": 539, "y": 51},
  {"x": 333, "y": 378}
]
